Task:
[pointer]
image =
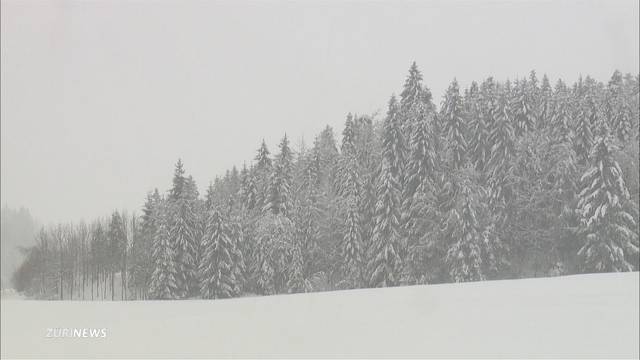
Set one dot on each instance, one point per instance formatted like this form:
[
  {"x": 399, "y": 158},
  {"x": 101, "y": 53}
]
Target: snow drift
[{"x": 576, "y": 316}]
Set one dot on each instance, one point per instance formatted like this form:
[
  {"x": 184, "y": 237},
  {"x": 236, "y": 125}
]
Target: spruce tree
[
  {"x": 421, "y": 160},
  {"x": 411, "y": 92},
  {"x": 209, "y": 197},
  {"x": 367, "y": 205},
  {"x": 481, "y": 124},
  {"x": 608, "y": 225},
  {"x": 463, "y": 258},
  {"x": 561, "y": 114},
  {"x": 250, "y": 189},
  {"x": 263, "y": 168},
  {"x": 623, "y": 119},
  {"x": 533, "y": 89},
  {"x": 523, "y": 108},
  {"x": 263, "y": 161},
  {"x": 502, "y": 133},
  {"x": 349, "y": 189},
  {"x": 472, "y": 249},
  {"x": 583, "y": 139},
  {"x": 421, "y": 172},
  {"x": 471, "y": 109},
  {"x": 453, "y": 118},
  {"x": 217, "y": 268},
  {"x": 347, "y": 163},
  {"x": 415, "y": 103},
  {"x": 385, "y": 262},
  {"x": 164, "y": 284},
  {"x": 352, "y": 242},
  {"x": 546, "y": 103},
  {"x": 502, "y": 152},
  {"x": 308, "y": 214},
  {"x": 143, "y": 267},
  {"x": 325, "y": 145},
  {"x": 614, "y": 91},
  {"x": 275, "y": 236},
  {"x": 182, "y": 230},
  {"x": 279, "y": 196}
]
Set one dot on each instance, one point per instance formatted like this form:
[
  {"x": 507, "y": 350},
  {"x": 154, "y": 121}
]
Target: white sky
[{"x": 100, "y": 98}]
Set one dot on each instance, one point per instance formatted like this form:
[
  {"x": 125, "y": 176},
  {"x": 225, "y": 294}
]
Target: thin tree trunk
[{"x": 61, "y": 269}]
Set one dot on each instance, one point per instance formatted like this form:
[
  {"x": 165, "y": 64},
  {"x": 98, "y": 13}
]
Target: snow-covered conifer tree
[
  {"x": 502, "y": 134},
  {"x": 164, "y": 278},
  {"x": 263, "y": 168},
  {"x": 623, "y": 119},
  {"x": 411, "y": 92},
  {"x": 250, "y": 189},
  {"x": 473, "y": 250},
  {"x": 561, "y": 114},
  {"x": 279, "y": 197},
  {"x": 274, "y": 242},
  {"x": 583, "y": 138},
  {"x": 349, "y": 188},
  {"x": 609, "y": 228},
  {"x": 502, "y": 152},
  {"x": 217, "y": 269},
  {"x": 421, "y": 172},
  {"x": 481, "y": 124},
  {"x": 452, "y": 117},
  {"x": 182, "y": 230},
  {"x": 385, "y": 262},
  {"x": 263, "y": 161},
  {"x": 546, "y": 103},
  {"x": 523, "y": 108}
]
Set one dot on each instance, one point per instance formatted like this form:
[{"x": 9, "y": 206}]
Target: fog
[{"x": 100, "y": 98}]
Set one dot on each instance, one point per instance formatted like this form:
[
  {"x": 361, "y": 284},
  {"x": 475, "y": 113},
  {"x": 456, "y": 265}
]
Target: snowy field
[{"x": 576, "y": 316}]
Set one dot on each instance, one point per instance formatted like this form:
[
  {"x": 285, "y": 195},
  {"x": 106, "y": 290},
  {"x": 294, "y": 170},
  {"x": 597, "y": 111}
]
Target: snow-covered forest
[{"x": 500, "y": 180}]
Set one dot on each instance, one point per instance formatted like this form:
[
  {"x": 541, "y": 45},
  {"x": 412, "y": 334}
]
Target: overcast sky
[{"x": 100, "y": 98}]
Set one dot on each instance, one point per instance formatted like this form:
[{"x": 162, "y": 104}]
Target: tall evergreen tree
[
  {"x": 421, "y": 160},
  {"x": 415, "y": 220},
  {"x": 523, "y": 108},
  {"x": 502, "y": 152},
  {"x": 250, "y": 189},
  {"x": 263, "y": 168},
  {"x": 347, "y": 164},
  {"x": 463, "y": 256},
  {"x": 411, "y": 92},
  {"x": 465, "y": 241},
  {"x": 279, "y": 196},
  {"x": 545, "y": 103},
  {"x": 217, "y": 269},
  {"x": 352, "y": 240},
  {"x": 182, "y": 230},
  {"x": 415, "y": 103},
  {"x": 142, "y": 248},
  {"x": 608, "y": 217},
  {"x": 452, "y": 115},
  {"x": 164, "y": 279},
  {"x": 502, "y": 133},
  {"x": 481, "y": 124},
  {"x": 583, "y": 139},
  {"x": 561, "y": 122},
  {"x": 263, "y": 161},
  {"x": 385, "y": 262},
  {"x": 622, "y": 120}
]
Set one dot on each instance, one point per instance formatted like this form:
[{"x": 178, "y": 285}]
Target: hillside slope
[{"x": 575, "y": 316}]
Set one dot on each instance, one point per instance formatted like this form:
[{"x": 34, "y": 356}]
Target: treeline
[{"x": 502, "y": 180}]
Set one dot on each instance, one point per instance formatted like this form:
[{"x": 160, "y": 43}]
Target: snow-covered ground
[{"x": 575, "y": 316}]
